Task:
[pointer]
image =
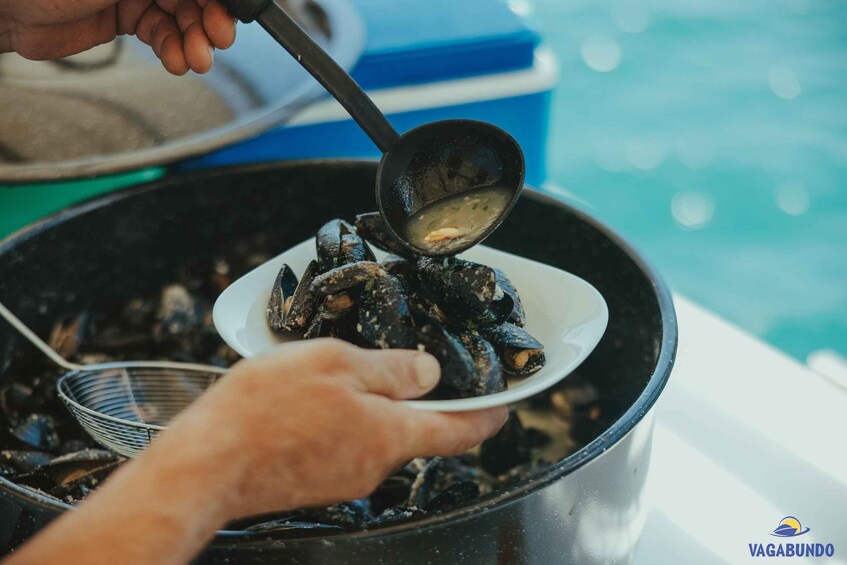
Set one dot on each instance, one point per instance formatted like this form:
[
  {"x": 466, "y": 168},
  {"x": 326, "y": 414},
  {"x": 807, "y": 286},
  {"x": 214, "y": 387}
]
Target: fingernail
[{"x": 427, "y": 370}]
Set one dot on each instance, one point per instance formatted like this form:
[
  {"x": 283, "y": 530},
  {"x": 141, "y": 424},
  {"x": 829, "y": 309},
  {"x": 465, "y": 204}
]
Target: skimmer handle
[{"x": 37, "y": 341}]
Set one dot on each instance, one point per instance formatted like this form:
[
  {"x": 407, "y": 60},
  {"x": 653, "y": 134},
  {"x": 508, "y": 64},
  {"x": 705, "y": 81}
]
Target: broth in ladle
[{"x": 450, "y": 222}]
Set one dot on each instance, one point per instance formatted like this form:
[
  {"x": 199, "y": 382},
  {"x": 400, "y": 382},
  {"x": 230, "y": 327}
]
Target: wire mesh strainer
[{"x": 124, "y": 405}]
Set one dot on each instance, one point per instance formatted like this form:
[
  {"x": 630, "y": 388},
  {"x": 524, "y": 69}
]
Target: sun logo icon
[{"x": 789, "y": 527}]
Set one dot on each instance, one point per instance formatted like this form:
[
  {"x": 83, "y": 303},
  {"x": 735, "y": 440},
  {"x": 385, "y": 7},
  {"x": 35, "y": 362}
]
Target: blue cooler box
[{"x": 426, "y": 60}]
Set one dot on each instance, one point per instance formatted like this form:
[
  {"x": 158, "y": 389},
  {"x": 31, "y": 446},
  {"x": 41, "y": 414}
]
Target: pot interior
[{"x": 96, "y": 256}]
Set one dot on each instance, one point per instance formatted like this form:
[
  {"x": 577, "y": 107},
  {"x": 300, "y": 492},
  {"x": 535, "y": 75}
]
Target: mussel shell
[
  {"x": 70, "y": 467},
  {"x": 318, "y": 327},
  {"x": 385, "y": 319},
  {"x": 304, "y": 301},
  {"x": 38, "y": 431},
  {"x": 347, "y": 277},
  {"x": 372, "y": 227},
  {"x": 67, "y": 335},
  {"x": 508, "y": 449},
  {"x": 489, "y": 370},
  {"x": 296, "y": 528},
  {"x": 521, "y": 353},
  {"x": 392, "y": 492},
  {"x": 77, "y": 487},
  {"x": 453, "y": 496},
  {"x": 463, "y": 289},
  {"x": 282, "y": 294},
  {"x": 354, "y": 249},
  {"x": 24, "y": 461},
  {"x": 400, "y": 266},
  {"x": 458, "y": 371},
  {"x": 517, "y": 315},
  {"x": 328, "y": 243},
  {"x": 422, "y": 488},
  {"x": 397, "y": 514},
  {"x": 349, "y": 515},
  {"x": 178, "y": 312}
]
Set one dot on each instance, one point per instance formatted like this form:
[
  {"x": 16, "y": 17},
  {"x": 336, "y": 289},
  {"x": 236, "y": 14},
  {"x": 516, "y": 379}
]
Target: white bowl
[{"x": 563, "y": 312}]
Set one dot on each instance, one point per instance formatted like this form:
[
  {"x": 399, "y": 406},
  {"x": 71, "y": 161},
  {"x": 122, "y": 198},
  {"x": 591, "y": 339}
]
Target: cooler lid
[
  {"x": 413, "y": 42},
  {"x": 114, "y": 108}
]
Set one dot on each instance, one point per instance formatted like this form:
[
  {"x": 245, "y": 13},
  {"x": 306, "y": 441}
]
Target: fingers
[
  {"x": 182, "y": 33},
  {"x": 397, "y": 373},
  {"x": 159, "y": 30},
  {"x": 219, "y": 25},
  {"x": 434, "y": 433}
]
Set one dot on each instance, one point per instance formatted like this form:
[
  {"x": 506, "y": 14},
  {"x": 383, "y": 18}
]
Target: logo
[{"x": 789, "y": 527}]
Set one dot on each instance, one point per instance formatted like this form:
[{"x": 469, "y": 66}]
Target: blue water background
[{"x": 713, "y": 135}]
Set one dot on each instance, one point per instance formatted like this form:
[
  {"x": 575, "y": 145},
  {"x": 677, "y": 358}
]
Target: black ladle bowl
[{"x": 422, "y": 166}]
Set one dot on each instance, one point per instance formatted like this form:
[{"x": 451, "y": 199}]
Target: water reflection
[
  {"x": 692, "y": 209},
  {"x": 645, "y": 153},
  {"x": 784, "y": 83},
  {"x": 601, "y": 53},
  {"x": 792, "y": 198}
]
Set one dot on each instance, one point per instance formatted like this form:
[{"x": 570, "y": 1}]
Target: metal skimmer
[{"x": 124, "y": 405}]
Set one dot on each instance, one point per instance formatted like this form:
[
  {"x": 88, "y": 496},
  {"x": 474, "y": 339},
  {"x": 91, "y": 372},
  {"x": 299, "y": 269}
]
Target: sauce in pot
[{"x": 450, "y": 222}]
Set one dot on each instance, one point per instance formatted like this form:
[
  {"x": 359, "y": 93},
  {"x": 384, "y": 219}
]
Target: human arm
[{"x": 313, "y": 423}]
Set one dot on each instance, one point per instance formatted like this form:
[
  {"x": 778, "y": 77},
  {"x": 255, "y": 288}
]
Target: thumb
[{"x": 397, "y": 373}]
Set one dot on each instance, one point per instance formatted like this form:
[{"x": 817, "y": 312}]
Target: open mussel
[
  {"x": 522, "y": 354},
  {"x": 282, "y": 294},
  {"x": 328, "y": 241}
]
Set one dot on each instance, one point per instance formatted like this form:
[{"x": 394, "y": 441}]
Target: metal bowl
[
  {"x": 114, "y": 108},
  {"x": 586, "y": 508}
]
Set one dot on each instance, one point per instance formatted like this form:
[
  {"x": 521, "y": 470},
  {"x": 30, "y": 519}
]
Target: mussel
[
  {"x": 522, "y": 354},
  {"x": 385, "y": 319},
  {"x": 372, "y": 227}
]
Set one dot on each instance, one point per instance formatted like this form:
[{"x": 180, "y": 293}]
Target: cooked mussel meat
[{"x": 522, "y": 354}]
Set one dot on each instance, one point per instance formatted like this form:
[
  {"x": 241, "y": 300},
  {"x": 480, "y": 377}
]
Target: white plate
[{"x": 563, "y": 312}]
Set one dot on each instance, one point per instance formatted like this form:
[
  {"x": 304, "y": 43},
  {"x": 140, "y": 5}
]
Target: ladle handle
[
  {"x": 37, "y": 341},
  {"x": 320, "y": 65}
]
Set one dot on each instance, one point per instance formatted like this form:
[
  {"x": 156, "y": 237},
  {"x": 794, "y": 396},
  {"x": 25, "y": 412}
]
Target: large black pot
[{"x": 585, "y": 509}]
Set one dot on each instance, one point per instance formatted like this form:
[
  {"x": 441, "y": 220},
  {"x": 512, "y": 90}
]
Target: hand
[
  {"x": 312, "y": 423},
  {"x": 317, "y": 422},
  {"x": 182, "y": 33}
]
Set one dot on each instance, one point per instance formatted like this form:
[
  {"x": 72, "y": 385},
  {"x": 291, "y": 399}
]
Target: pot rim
[{"x": 620, "y": 428}]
